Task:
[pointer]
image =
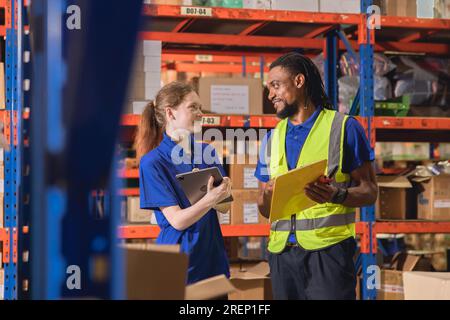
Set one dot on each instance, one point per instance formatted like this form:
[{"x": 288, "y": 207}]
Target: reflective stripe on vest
[{"x": 334, "y": 220}]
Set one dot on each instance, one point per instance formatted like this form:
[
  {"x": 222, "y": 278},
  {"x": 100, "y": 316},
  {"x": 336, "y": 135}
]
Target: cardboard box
[
  {"x": 391, "y": 287},
  {"x": 342, "y": 6},
  {"x": 296, "y": 5},
  {"x": 243, "y": 175},
  {"x": 253, "y": 248},
  {"x": 155, "y": 272},
  {"x": 401, "y": 8},
  {"x": 252, "y": 283},
  {"x": 394, "y": 199},
  {"x": 135, "y": 213},
  {"x": 231, "y": 96},
  {"x": 244, "y": 209},
  {"x": 434, "y": 202},
  {"x": 442, "y": 9},
  {"x": 426, "y": 285},
  {"x": 232, "y": 248}
]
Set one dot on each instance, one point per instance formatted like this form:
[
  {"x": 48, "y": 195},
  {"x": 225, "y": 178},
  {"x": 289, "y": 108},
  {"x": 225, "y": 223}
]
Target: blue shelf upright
[
  {"x": 12, "y": 156},
  {"x": 79, "y": 81},
  {"x": 366, "y": 102}
]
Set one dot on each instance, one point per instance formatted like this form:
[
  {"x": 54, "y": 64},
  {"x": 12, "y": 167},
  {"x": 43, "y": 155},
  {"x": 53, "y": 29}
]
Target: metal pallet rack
[{"x": 235, "y": 40}]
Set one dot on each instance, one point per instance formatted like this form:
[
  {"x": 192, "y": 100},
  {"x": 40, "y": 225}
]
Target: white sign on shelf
[
  {"x": 196, "y": 11},
  {"x": 250, "y": 181},
  {"x": 250, "y": 213},
  {"x": 442, "y": 203},
  {"x": 230, "y": 99},
  {"x": 210, "y": 121}
]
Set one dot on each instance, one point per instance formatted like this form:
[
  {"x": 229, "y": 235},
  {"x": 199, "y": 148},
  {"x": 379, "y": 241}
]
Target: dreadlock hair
[{"x": 296, "y": 63}]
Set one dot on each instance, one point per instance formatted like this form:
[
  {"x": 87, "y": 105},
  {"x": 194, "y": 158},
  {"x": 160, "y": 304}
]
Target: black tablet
[{"x": 195, "y": 183}]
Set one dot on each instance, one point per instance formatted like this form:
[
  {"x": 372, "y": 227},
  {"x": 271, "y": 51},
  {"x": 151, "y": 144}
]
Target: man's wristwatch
[{"x": 340, "y": 196}]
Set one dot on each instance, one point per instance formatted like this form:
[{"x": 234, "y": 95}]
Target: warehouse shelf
[
  {"x": 152, "y": 231},
  {"x": 125, "y": 192},
  {"x": 129, "y": 192},
  {"x": 270, "y": 121},
  {"x": 219, "y": 28},
  {"x": 128, "y": 173},
  {"x": 416, "y": 123},
  {"x": 412, "y": 226},
  {"x": 260, "y": 230},
  {"x": 147, "y": 231}
]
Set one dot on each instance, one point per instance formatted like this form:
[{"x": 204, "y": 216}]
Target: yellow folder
[{"x": 289, "y": 196}]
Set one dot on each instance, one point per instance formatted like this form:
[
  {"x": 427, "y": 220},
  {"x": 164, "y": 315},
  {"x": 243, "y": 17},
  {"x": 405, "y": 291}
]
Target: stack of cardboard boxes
[
  {"x": 244, "y": 209},
  {"x": 425, "y": 198},
  {"x": 146, "y": 76},
  {"x": 411, "y": 276}
]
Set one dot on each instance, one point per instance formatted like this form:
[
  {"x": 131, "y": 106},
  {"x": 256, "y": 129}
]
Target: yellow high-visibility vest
[{"x": 325, "y": 224}]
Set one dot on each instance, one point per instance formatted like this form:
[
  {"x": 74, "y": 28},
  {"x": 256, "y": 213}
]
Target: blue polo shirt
[
  {"x": 158, "y": 186},
  {"x": 356, "y": 147}
]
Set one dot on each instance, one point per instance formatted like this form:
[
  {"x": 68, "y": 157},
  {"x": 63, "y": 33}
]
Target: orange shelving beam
[
  {"x": 262, "y": 230},
  {"x": 171, "y": 11},
  {"x": 129, "y": 173},
  {"x": 269, "y": 121},
  {"x": 256, "y": 230},
  {"x": 412, "y": 227}
]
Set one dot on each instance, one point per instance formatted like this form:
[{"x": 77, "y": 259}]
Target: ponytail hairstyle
[{"x": 153, "y": 119}]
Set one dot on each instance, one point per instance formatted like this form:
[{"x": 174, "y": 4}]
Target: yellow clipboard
[{"x": 288, "y": 195}]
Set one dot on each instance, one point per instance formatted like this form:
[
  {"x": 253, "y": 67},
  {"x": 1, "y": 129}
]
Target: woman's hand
[{"x": 217, "y": 194}]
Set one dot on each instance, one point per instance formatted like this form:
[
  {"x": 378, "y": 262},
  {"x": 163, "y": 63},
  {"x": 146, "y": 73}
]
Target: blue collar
[
  {"x": 308, "y": 124},
  {"x": 167, "y": 143}
]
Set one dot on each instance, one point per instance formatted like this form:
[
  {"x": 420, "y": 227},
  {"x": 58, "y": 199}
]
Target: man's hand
[
  {"x": 320, "y": 192},
  {"x": 265, "y": 197},
  {"x": 268, "y": 190}
]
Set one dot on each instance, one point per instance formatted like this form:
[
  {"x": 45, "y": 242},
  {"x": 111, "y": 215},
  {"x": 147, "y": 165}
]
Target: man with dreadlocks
[{"x": 311, "y": 253}]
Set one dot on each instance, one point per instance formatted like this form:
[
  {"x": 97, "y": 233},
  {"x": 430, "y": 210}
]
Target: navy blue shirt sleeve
[
  {"x": 155, "y": 189},
  {"x": 356, "y": 146},
  {"x": 262, "y": 167}
]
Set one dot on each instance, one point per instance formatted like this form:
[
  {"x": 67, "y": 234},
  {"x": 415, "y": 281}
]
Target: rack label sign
[
  {"x": 196, "y": 11},
  {"x": 210, "y": 121}
]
